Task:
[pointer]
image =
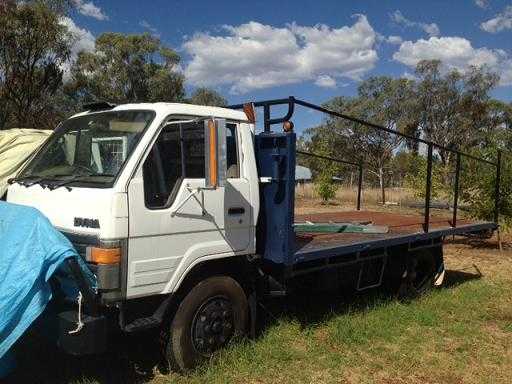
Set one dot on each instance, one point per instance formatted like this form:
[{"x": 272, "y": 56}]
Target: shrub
[{"x": 325, "y": 187}]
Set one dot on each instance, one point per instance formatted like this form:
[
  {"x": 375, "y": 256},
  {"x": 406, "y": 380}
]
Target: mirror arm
[{"x": 192, "y": 193}]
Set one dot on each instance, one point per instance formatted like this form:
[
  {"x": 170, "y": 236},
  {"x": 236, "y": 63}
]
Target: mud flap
[{"x": 439, "y": 276}]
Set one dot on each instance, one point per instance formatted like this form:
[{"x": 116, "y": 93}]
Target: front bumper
[
  {"x": 82, "y": 328},
  {"x": 81, "y": 335}
]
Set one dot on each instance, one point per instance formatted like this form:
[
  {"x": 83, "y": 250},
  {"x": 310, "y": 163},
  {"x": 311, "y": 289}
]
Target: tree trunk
[{"x": 381, "y": 182}]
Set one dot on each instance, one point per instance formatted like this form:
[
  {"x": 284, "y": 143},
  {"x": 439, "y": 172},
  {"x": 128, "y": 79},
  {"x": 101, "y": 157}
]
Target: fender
[{"x": 196, "y": 255}]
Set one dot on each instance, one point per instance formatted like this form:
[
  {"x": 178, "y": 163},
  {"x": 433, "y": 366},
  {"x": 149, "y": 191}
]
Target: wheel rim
[{"x": 213, "y": 325}]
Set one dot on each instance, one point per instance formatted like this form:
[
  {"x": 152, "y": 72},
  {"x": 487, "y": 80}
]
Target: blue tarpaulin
[{"x": 31, "y": 250}]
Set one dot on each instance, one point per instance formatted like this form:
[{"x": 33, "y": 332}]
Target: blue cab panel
[{"x": 275, "y": 157}]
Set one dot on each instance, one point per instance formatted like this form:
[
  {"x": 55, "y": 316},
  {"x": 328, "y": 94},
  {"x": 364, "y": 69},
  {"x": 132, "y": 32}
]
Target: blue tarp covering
[{"x": 31, "y": 250}]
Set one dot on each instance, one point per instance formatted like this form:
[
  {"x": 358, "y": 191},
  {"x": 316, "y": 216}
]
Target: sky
[{"x": 313, "y": 50}]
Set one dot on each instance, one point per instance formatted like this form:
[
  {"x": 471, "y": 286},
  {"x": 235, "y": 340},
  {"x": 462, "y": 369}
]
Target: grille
[{"x": 81, "y": 242}]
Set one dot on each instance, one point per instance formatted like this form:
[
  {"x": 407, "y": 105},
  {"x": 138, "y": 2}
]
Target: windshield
[{"x": 90, "y": 148}]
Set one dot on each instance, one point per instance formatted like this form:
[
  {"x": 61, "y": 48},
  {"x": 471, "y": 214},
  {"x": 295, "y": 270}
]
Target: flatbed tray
[{"x": 403, "y": 229}]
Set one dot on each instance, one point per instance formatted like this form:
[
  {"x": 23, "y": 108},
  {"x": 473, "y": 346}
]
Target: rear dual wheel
[
  {"x": 424, "y": 271},
  {"x": 212, "y": 314}
]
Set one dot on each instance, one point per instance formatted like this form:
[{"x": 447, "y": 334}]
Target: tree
[
  {"x": 128, "y": 68},
  {"x": 380, "y": 100},
  {"x": 453, "y": 107},
  {"x": 497, "y": 128},
  {"x": 34, "y": 46},
  {"x": 206, "y": 96},
  {"x": 325, "y": 186}
]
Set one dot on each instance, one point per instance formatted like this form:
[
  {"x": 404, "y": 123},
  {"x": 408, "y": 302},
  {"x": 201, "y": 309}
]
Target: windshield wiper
[
  {"x": 22, "y": 180},
  {"x": 72, "y": 179},
  {"x": 63, "y": 183},
  {"x": 28, "y": 181}
]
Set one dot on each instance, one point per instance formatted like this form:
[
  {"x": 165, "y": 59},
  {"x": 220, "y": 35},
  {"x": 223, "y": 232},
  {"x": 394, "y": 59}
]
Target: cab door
[{"x": 173, "y": 219}]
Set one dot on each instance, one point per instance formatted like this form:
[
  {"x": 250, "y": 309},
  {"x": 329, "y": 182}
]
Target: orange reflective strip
[
  {"x": 213, "y": 152},
  {"x": 249, "y": 112},
  {"x": 105, "y": 255}
]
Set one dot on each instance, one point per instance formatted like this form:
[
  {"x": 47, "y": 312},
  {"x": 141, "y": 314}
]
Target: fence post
[
  {"x": 497, "y": 188},
  {"x": 428, "y": 188},
  {"x": 359, "y": 185},
  {"x": 456, "y": 190}
]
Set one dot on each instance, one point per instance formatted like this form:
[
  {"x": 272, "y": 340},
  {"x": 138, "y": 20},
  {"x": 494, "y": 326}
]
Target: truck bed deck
[{"x": 403, "y": 229}]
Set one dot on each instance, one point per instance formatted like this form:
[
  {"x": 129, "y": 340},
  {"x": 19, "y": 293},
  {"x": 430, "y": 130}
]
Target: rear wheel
[
  {"x": 424, "y": 270},
  {"x": 212, "y": 314}
]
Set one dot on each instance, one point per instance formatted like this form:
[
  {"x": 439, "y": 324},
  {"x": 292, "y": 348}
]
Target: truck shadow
[
  {"x": 135, "y": 358},
  {"x": 318, "y": 307}
]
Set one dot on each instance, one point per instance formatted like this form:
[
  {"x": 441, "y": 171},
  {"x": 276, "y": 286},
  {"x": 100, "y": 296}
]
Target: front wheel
[{"x": 213, "y": 313}]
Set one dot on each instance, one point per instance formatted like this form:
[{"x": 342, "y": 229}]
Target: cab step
[{"x": 142, "y": 324}]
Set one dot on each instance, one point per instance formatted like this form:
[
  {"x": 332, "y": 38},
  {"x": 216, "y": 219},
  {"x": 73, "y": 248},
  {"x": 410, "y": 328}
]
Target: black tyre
[
  {"x": 424, "y": 271},
  {"x": 212, "y": 314}
]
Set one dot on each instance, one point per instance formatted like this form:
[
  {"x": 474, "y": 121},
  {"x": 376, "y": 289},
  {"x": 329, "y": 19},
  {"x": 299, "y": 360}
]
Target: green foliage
[
  {"x": 478, "y": 188},
  {"x": 452, "y": 108},
  {"x": 34, "y": 45},
  {"x": 128, "y": 68},
  {"x": 416, "y": 178},
  {"x": 206, "y": 96},
  {"x": 381, "y": 100},
  {"x": 325, "y": 186}
]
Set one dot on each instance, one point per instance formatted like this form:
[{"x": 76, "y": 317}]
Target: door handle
[{"x": 236, "y": 211}]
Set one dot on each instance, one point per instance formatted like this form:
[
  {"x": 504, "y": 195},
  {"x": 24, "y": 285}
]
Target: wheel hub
[{"x": 212, "y": 326}]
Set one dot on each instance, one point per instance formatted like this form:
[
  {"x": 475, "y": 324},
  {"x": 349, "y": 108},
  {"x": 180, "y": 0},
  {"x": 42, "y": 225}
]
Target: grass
[
  {"x": 398, "y": 200},
  {"x": 461, "y": 333},
  {"x": 429, "y": 340},
  {"x": 370, "y": 196}
]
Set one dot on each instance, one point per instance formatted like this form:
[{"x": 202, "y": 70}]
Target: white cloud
[
  {"x": 506, "y": 74},
  {"x": 256, "y": 56},
  {"x": 499, "y": 22},
  {"x": 146, "y": 25},
  {"x": 87, "y": 8},
  {"x": 325, "y": 81},
  {"x": 431, "y": 29},
  {"x": 82, "y": 40},
  {"x": 394, "y": 40},
  {"x": 455, "y": 53},
  {"x": 481, "y": 4}
]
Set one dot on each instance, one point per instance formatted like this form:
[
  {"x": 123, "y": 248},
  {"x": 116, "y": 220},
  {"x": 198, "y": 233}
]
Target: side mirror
[{"x": 215, "y": 152}]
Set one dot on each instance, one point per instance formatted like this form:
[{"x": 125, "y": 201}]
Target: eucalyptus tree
[
  {"x": 453, "y": 107},
  {"x": 207, "y": 96},
  {"x": 34, "y": 47},
  {"x": 128, "y": 68},
  {"x": 381, "y": 100}
]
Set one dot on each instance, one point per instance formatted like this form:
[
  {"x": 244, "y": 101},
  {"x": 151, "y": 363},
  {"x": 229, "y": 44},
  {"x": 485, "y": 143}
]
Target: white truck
[{"x": 186, "y": 216}]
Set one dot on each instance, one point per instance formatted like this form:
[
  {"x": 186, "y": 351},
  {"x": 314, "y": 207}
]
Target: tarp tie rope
[{"x": 79, "y": 324}]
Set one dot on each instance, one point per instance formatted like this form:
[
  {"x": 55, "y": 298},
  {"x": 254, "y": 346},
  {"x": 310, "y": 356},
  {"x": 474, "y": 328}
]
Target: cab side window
[
  {"x": 178, "y": 154},
  {"x": 233, "y": 168}
]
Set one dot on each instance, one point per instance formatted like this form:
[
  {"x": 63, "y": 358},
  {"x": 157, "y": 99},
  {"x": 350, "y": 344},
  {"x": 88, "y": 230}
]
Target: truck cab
[
  {"x": 127, "y": 186},
  {"x": 145, "y": 193}
]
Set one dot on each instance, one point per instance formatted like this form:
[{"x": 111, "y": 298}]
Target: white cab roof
[{"x": 180, "y": 108}]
